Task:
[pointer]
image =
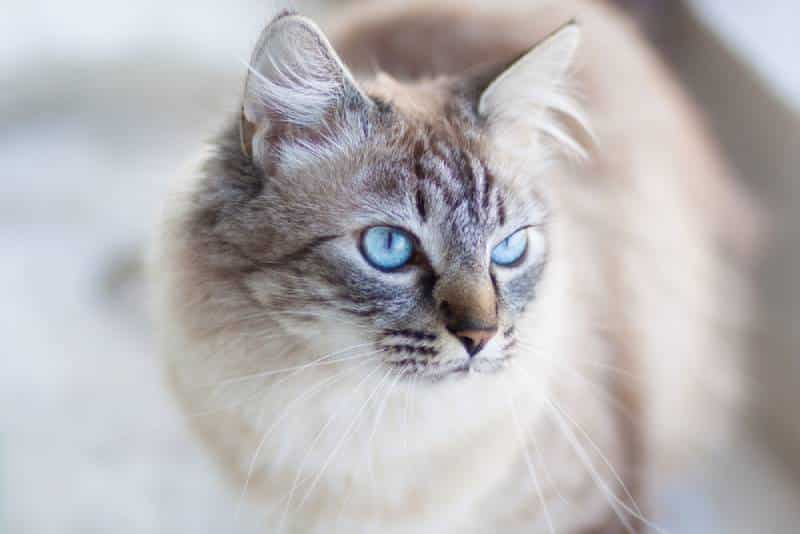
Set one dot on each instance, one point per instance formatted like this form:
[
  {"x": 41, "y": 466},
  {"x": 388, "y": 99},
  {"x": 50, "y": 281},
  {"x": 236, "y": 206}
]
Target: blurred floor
[{"x": 90, "y": 440}]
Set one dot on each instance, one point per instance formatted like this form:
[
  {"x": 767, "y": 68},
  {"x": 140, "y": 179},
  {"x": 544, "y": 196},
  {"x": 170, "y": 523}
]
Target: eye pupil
[{"x": 386, "y": 248}]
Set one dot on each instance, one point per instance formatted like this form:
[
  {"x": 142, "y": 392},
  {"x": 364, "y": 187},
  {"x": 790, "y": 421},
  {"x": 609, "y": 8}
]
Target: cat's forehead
[
  {"x": 419, "y": 159},
  {"x": 441, "y": 158},
  {"x": 422, "y": 101},
  {"x": 438, "y": 181}
]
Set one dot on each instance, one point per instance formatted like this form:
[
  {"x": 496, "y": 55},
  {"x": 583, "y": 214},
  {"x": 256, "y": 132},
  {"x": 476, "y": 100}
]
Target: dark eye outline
[
  {"x": 412, "y": 258},
  {"x": 519, "y": 259}
]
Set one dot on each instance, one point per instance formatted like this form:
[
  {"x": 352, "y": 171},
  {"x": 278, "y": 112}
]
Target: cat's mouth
[
  {"x": 438, "y": 370},
  {"x": 416, "y": 356}
]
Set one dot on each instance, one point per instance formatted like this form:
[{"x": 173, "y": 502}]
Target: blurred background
[{"x": 102, "y": 100}]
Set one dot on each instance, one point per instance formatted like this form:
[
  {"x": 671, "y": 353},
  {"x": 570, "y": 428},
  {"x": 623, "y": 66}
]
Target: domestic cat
[{"x": 461, "y": 271}]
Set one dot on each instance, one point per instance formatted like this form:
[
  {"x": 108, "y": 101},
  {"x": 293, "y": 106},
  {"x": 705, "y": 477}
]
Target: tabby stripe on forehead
[
  {"x": 469, "y": 176},
  {"x": 483, "y": 183},
  {"x": 423, "y": 212},
  {"x": 444, "y": 181},
  {"x": 501, "y": 209},
  {"x": 435, "y": 150},
  {"x": 469, "y": 173},
  {"x": 452, "y": 177},
  {"x": 419, "y": 168},
  {"x": 488, "y": 180}
]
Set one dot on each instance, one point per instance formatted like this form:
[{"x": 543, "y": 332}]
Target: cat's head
[{"x": 400, "y": 218}]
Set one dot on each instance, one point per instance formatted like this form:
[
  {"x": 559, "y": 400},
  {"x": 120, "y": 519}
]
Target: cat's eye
[
  {"x": 510, "y": 251},
  {"x": 386, "y": 248}
]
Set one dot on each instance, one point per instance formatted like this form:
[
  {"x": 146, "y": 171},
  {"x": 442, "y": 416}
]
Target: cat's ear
[
  {"x": 526, "y": 92},
  {"x": 295, "y": 82}
]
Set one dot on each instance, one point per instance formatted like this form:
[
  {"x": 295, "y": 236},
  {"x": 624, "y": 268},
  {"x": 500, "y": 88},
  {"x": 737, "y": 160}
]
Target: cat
[{"x": 463, "y": 270}]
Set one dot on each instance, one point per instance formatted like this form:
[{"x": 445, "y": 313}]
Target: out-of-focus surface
[
  {"x": 761, "y": 135},
  {"x": 101, "y": 101}
]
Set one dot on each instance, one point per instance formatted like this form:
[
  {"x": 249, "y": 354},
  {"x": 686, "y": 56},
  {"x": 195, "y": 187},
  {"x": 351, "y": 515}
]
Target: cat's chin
[{"x": 454, "y": 369}]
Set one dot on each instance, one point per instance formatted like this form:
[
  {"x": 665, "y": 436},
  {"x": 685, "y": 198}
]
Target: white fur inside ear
[
  {"x": 529, "y": 95},
  {"x": 294, "y": 74}
]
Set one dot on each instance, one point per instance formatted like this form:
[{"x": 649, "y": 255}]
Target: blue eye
[
  {"x": 386, "y": 248},
  {"x": 511, "y": 249}
]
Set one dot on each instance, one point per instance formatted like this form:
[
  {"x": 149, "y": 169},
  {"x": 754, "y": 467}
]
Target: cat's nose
[
  {"x": 468, "y": 307},
  {"x": 473, "y": 336}
]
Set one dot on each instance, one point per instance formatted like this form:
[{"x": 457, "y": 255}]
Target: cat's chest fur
[
  {"x": 324, "y": 451},
  {"x": 361, "y": 463}
]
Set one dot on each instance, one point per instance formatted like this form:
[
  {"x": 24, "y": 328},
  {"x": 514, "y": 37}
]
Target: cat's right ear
[
  {"x": 296, "y": 85},
  {"x": 529, "y": 97}
]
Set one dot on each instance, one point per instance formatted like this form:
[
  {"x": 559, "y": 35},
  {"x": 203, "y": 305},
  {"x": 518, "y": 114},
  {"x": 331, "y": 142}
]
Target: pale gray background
[{"x": 100, "y": 101}]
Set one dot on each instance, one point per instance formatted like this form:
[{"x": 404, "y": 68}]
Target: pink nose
[{"x": 474, "y": 339}]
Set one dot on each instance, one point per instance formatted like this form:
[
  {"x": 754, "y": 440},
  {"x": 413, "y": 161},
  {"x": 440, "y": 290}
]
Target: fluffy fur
[{"x": 335, "y": 394}]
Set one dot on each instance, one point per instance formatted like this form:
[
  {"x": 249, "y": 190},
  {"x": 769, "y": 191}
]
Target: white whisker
[
  {"x": 378, "y": 415},
  {"x": 529, "y": 462},
  {"x": 604, "y": 459},
  {"x": 341, "y": 442},
  {"x": 598, "y": 389},
  {"x": 339, "y": 360},
  {"x": 634, "y": 512},
  {"x": 317, "y": 361},
  {"x": 405, "y": 415},
  {"x": 307, "y": 456},
  {"x": 613, "y": 500},
  {"x": 274, "y": 425}
]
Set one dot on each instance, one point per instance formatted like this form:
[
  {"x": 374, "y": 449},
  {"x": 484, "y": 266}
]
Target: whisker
[
  {"x": 274, "y": 425},
  {"x": 638, "y": 515},
  {"x": 546, "y": 470},
  {"x": 378, "y": 416},
  {"x": 307, "y": 314},
  {"x": 307, "y": 456},
  {"x": 529, "y": 462},
  {"x": 272, "y": 386},
  {"x": 635, "y": 511},
  {"x": 339, "y": 360},
  {"x": 341, "y": 442},
  {"x": 293, "y": 368},
  {"x": 613, "y": 500},
  {"x": 219, "y": 386},
  {"x": 598, "y": 389},
  {"x": 405, "y": 415}
]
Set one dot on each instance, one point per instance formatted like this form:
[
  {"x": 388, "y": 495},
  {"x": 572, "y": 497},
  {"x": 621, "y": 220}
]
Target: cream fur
[{"x": 632, "y": 269}]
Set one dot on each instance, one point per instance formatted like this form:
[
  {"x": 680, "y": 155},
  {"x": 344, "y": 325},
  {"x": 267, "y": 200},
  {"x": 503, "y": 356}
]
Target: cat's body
[{"x": 618, "y": 334}]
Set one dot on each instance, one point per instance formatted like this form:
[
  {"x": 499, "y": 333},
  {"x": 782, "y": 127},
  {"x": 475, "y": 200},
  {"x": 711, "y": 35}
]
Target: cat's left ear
[
  {"x": 521, "y": 96},
  {"x": 296, "y": 85}
]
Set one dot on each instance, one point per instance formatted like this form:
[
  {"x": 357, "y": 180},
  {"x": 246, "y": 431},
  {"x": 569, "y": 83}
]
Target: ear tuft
[
  {"x": 294, "y": 73},
  {"x": 531, "y": 93},
  {"x": 295, "y": 78}
]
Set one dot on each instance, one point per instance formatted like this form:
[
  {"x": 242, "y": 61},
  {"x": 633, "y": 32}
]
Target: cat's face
[
  {"x": 375, "y": 217},
  {"x": 414, "y": 245}
]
